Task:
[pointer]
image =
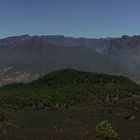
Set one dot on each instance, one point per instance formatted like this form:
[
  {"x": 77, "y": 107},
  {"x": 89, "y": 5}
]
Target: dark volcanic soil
[{"x": 76, "y": 123}]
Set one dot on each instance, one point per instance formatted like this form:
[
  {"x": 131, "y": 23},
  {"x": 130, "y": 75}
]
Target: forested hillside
[{"x": 64, "y": 88}]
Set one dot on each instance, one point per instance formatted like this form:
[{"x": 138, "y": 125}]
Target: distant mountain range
[{"x": 37, "y": 55}]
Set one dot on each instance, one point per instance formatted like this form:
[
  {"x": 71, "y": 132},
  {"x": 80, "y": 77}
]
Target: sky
[{"x": 77, "y": 18}]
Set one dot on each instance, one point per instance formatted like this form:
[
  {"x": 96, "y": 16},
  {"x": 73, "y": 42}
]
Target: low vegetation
[{"x": 106, "y": 132}]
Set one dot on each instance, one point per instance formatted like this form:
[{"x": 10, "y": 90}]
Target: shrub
[{"x": 105, "y": 131}]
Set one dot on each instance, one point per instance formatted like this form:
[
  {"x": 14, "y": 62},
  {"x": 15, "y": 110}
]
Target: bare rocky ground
[
  {"x": 8, "y": 76},
  {"x": 75, "y": 123}
]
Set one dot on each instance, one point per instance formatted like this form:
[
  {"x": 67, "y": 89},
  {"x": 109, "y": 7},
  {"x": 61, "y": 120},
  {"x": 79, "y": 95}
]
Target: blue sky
[{"x": 79, "y": 18}]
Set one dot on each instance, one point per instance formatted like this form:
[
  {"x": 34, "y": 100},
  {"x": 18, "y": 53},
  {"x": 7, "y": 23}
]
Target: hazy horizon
[{"x": 91, "y": 37}]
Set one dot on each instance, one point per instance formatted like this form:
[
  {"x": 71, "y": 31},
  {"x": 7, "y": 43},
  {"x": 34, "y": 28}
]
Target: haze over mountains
[{"x": 25, "y": 58}]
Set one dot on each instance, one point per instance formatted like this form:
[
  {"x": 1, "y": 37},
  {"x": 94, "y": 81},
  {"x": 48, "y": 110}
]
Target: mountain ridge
[{"x": 43, "y": 54}]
